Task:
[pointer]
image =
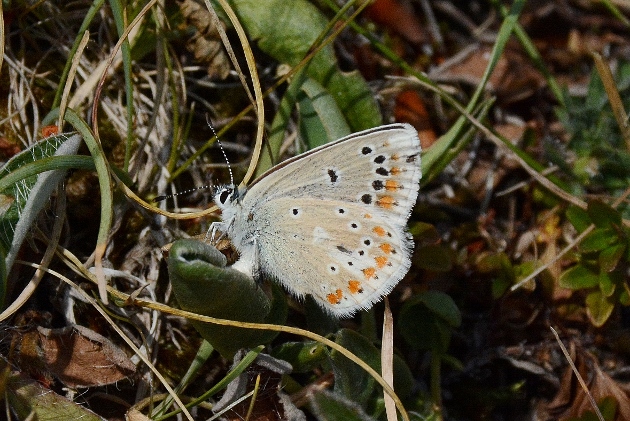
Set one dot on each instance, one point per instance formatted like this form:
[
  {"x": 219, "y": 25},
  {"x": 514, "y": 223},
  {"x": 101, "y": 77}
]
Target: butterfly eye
[{"x": 225, "y": 195}]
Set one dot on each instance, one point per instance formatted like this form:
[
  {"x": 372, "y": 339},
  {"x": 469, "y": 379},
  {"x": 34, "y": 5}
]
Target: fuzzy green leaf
[
  {"x": 331, "y": 406},
  {"x": 204, "y": 285}
]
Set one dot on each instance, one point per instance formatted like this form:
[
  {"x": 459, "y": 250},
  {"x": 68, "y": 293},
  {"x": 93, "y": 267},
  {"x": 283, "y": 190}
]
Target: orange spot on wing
[
  {"x": 391, "y": 185},
  {"x": 354, "y": 286},
  {"x": 394, "y": 157},
  {"x": 380, "y": 231},
  {"x": 386, "y": 202},
  {"x": 51, "y": 130},
  {"x": 386, "y": 248},
  {"x": 395, "y": 171},
  {"x": 369, "y": 272},
  {"x": 335, "y": 298},
  {"x": 380, "y": 261},
  {"x": 367, "y": 216}
]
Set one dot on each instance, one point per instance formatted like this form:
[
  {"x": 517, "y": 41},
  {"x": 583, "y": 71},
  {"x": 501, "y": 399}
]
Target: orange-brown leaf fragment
[{"x": 80, "y": 357}]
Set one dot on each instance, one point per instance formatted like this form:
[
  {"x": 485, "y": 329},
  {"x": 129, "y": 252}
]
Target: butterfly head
[{"x": 227, "y": 195}]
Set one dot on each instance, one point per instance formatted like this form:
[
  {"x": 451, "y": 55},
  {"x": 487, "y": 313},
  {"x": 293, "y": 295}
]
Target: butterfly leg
[{"x": 215, "y": 227}]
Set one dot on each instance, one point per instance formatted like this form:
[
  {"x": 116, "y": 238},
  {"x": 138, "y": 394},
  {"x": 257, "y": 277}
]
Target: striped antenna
[{"x": 227, "y": 161}]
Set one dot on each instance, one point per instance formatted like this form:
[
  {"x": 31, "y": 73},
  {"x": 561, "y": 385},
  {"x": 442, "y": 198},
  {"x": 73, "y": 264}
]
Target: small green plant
[
  {"x": 602, "y": 161},
  {"x": 602, "y": 260}
]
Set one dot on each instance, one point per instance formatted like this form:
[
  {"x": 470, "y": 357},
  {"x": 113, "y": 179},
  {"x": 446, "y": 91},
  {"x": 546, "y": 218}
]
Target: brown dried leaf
[
  {"x": 513, "y": 78},
  {"x": 571, "y": 401},
  {"x": 410, "y": 108},
  {"x": 206, "y": 43},
  {"x": 80, "y": 357},
  {"x": 135, "y": 415},
  {"x": 398, "y": 17}
]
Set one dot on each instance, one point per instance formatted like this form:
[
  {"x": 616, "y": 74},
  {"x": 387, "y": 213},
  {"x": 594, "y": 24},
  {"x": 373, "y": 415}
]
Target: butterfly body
[{"x": 331, "y": 222}]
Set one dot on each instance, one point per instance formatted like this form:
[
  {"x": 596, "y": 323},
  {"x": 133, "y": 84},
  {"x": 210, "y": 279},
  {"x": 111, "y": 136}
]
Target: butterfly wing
[
  {"x": 383, "y": 162},
  {"x": 331, "y": 222}
]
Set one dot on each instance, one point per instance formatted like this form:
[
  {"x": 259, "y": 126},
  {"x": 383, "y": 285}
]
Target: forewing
[{"x": 376, "y": 167}]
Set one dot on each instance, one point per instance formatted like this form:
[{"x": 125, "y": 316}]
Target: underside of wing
[
  {"x": 346, "y": 258},
  {"x": 331, "y": 222}
]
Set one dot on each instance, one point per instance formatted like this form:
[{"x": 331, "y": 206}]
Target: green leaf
[
  {"x": 31, "y": 400},
  {"x": 523, "y": 270},
  {"x": 599, "y": 308},
  {"x": 495, "y": 262},
  {"x": 404, "y": 381},
  {"x": 321, "y": 119},
  {"x": 303, "y": 356},
  {"x": 598, "y": 239},
  {"x": 423, "y": 232},
  {"x": 578, "y": 277},
  {"x": 331, "y": 406},
  {"x": 351, "y": 380},
  {"x": 426, "y": 321},
  {"x": 499, "y": 286},
  {"x": 608, "y": 283},
  {"x": 609, "y": 257},
  {"x": 442, "y": 305},
  {"x": 23, "y": 199},
  {"x": 434, "y": 257},
  {"x": 608, "y": 407},
  {"x": 500, "y": 265},
  {"x": 578, "y": 217},
  {"x": 204, "y": 285},
  {"x": 602, "y": 215}
]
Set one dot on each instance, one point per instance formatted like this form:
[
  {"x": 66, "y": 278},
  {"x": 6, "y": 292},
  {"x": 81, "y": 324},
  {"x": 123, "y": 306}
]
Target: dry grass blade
[
  {"x": 613, "y": 97},
  {"x": 259, "y": 109},
  {"x": 577, "y": 374},
  {"x": 1, "y": 38},
  {"x": 71, "y": 74},
  {"x": 387, "y": 359}
]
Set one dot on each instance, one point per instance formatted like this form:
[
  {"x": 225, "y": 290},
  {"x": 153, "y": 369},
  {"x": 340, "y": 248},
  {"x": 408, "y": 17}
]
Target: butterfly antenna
[
  {"x": 168, "y": 196},
  {"x": 227, "y": 161}
]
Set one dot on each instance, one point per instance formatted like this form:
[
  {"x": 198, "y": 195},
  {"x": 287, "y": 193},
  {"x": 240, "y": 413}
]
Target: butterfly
[{"x": 330, "y": 222}]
